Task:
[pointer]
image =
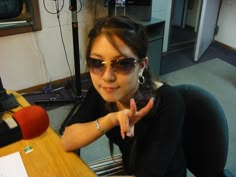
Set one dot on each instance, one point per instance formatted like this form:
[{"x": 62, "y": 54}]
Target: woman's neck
[{"x": 121, "y": 105}]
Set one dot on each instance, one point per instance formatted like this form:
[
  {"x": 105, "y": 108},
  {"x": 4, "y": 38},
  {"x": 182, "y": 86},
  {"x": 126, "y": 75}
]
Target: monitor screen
[
  {"x": 10, "y": 9},
  {"x": 19, "y": 16}
]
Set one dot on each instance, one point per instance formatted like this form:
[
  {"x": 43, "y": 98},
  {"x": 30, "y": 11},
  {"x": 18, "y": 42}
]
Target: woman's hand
[{"x": 128, "y": 117}]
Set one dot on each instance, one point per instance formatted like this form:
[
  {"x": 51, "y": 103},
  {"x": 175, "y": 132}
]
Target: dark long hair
[{"x": 133, "y": 34}]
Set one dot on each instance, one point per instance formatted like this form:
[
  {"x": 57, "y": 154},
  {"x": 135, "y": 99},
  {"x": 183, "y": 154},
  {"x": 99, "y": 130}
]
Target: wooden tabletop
[{"x": 47, "y": 158}]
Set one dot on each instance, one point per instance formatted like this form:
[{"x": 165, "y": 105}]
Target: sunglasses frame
[{"x": 115, "y": 64}]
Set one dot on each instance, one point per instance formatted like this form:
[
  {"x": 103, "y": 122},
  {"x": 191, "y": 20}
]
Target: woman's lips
[{"x": 110, "y": 89}]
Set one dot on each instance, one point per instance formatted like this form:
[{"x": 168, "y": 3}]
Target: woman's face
[{"x": 113, "y": 86}]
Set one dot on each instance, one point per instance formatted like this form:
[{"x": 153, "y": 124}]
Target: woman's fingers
[
  {"x": 130, "y": 132},
  {"x": 124, "y": 122},
  {"x": 142, "y": 112},
  {"x": 133, "y": 108},
  {"x": 127, "y": 118}
]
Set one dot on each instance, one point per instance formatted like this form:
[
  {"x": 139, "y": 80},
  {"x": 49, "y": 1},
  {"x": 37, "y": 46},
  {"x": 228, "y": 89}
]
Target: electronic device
[
  {"x": 139, "y": 9},
  {"x": 10, "y": 8}
]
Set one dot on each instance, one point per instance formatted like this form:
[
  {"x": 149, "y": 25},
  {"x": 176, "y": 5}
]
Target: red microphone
[{"x": 27, "y": 123}]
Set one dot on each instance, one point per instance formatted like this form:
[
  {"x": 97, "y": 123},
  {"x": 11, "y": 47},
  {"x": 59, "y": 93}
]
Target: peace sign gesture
[{"x": 128, "y": 117}]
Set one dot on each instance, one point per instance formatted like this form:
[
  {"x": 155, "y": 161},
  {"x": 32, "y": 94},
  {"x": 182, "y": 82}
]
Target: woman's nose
[{"x": 109, "y": 74}]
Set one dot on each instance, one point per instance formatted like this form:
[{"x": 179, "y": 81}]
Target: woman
[{"x": 143, "y": 118}]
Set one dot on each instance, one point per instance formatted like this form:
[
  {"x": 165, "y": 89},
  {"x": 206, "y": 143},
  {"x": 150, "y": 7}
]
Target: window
[{"x": 19, "y": 16}]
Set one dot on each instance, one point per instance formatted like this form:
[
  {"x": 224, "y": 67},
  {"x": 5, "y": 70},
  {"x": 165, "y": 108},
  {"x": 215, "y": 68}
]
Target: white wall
[
  {"x": 226, "y": 23},
  {"x": 32, "y": 59}
]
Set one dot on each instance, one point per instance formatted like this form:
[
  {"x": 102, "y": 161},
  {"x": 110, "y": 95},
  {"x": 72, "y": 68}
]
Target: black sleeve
[
  {"x": 160, "y": 151},
  {"x": 89, "y": 108}
]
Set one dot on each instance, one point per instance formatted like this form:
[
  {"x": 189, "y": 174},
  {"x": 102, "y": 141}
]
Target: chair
[
  {"x": 205, "y": 136},
  {"x": 205, "y": 133}
]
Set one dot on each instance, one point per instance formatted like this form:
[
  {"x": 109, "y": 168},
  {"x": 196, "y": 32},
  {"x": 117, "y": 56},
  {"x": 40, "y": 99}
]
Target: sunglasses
[{"x": 123, "y": 66}]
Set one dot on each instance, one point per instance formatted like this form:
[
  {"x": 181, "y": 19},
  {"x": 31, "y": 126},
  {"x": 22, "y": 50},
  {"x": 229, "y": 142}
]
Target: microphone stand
[
  {"x": 79, "y": 97},
  {"x": 76, "y": 82}
]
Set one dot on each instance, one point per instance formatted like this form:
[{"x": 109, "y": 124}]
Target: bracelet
[{"x": 99, "y": 128}]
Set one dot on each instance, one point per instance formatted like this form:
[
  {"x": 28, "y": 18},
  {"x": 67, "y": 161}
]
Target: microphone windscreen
[{"x": 33, "y": 121}]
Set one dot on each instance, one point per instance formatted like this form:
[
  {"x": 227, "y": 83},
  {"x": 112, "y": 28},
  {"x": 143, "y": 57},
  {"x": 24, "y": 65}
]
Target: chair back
[{"x": 205, "y": 132}]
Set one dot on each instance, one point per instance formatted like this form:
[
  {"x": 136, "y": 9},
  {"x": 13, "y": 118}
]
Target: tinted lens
[
  {"x": 95, "y": 65},
  {"x": 123, "y": 65}
]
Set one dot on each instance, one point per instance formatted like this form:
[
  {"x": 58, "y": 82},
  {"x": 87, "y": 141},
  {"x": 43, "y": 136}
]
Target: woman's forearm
[{"x": 79, "y": 135}]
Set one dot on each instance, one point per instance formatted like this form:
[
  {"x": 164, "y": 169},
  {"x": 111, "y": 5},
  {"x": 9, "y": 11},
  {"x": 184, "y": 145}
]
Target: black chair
[
  {"x": 205, "y": 137},
  {"x": 205, "y": 133}
]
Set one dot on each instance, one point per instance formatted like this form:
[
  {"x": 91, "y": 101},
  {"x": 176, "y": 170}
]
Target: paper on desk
[{"x": 12, "y": 165}]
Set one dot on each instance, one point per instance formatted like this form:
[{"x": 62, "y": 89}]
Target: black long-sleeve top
[{"x": 156, "y": 148}]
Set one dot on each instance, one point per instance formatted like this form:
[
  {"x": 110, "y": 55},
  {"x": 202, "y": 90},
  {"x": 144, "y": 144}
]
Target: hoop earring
[{"x": 141, "y": 79}]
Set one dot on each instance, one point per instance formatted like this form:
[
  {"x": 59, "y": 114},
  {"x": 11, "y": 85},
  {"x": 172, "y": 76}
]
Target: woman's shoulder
[
  {"x": 168, "y": 93},
  {"x": 164, "y": 88}
]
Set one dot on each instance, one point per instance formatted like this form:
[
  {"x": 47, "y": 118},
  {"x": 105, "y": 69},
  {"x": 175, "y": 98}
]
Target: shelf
[{"x": 155, "y": 31}]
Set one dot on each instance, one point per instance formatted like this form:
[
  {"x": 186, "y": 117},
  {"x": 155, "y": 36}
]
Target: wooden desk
[{"x": 47, "y": 159}]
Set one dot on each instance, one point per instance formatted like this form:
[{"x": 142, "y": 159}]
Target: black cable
[
  {"x": 63, "y": 43},
  {"x": 80, "y": 3},
  {"x": 56, "y": 8}
]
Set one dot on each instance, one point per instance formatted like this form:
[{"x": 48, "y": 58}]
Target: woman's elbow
[
  {"x": 67, "y": 141},
  {"x": 65, "y": 145}
]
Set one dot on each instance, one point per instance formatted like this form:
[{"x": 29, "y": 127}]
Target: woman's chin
[{"x": 109, "y": 98}]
